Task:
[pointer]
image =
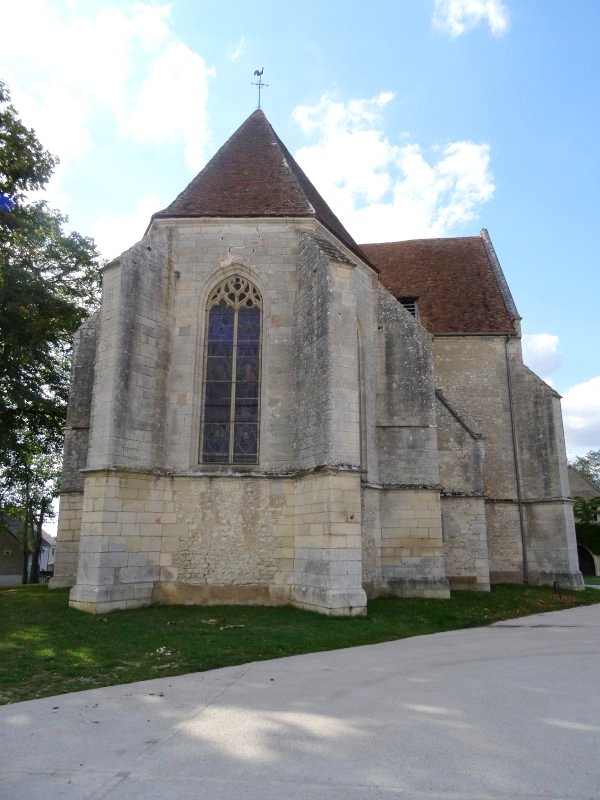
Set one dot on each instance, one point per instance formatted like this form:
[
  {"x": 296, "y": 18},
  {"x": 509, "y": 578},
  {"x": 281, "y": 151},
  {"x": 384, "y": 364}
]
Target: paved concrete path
[{"x": 508, "y": 711}]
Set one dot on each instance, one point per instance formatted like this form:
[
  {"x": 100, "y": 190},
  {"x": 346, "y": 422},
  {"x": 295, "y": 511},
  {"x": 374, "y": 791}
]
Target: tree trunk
[
  {"x": 26, "y": 521},
  {"x": 37, "y": 544},
  {"x": 25, "y": 569}
]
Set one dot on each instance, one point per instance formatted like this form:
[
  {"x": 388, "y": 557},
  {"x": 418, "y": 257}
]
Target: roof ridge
[
  {"x": 286, "y": 152},
  {"x": 500, "y": 276},
  {"x": 422, "y": 239}
]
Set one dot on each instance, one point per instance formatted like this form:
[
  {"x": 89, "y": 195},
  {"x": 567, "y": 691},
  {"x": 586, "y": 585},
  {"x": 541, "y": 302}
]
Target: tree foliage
[
  {"x": 588, "y": 466},
  {"x": 48, "y": 285},
  {"x": 586, "y": 511}
]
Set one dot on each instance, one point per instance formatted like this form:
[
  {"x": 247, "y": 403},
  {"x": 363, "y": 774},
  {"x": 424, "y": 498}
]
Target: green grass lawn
[
  {"x": 46, "y": 648},
  {"x": 593, "y": 580}
]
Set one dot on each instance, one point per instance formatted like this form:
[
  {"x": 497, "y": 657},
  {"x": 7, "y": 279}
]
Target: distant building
[
  {"x": 11, "y": 554},
  {"x": 264, "y": 411},
  {"x": 580, "y": 486}
]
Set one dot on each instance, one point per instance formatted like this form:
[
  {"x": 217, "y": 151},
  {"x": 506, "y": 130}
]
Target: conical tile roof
[{"x": 254, "y": 175}]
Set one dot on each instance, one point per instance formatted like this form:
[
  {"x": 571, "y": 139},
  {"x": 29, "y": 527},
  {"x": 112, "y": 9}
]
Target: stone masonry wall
[
  {"x": 315, "y": 404},
  {"x": 80, "y": 404},
  {"x": 410, "y": 557},
  {"x": 133, "y": 347},
  {"x": 549, "y": 522},
  {"x": 403, "y": 502},
  {"x": 471, "y": 372},
  {"x": 149, "y": 538},
  {"x": 205, "y": 252},
  {"x": 465, "y": 542},
  {"x": 67, "y": 540},
  {"x": 75, "y": 452},
  {"x": 463, "y": 508},
  {"x": 407, "y": 443},
  {"x": 327, "y": 544}
]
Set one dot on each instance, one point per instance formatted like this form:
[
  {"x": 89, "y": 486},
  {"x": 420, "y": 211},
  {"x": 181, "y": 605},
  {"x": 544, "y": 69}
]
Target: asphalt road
[{"x": 507, "y": 711}]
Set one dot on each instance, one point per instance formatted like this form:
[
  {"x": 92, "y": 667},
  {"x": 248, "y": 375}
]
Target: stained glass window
[{"x": 232, "y": 374}]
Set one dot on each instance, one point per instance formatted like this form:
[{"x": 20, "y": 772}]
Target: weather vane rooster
[{"x": 258, "y": 74}]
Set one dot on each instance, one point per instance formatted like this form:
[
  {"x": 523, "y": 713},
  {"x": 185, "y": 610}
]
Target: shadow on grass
[{"x": 46, "y": 648}]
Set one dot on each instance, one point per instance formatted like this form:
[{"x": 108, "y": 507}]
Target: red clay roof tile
[
  {"x": 254, "y": 175},
  {"x": 452, "y": 279}
]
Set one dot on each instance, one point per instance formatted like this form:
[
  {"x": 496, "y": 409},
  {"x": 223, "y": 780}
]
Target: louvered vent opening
[{"x": 410, "y": 304}]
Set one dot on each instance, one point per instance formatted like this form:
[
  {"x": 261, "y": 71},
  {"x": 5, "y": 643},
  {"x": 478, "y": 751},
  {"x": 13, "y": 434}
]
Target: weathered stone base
[
  {"x": 564, "y": 580},
  {"x": 467, "y": 583},
  {"x": 332, "y": 602},
  {"x": 465, "y": 543},
  {"x": 147, "y": 538},
  {"x": 506, "y": 576},
  {"x": 101, "y": 599},
  {"x": 413, "y": 587},
  {"x": 67, "y": 540},
  {"x": 184, "y": 594}
]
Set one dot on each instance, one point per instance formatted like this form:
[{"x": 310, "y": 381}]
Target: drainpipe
[{"x": 516, "y": 460}]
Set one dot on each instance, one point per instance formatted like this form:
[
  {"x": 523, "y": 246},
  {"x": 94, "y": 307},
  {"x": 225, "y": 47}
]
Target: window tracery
[{"x": 232, "y": 373}]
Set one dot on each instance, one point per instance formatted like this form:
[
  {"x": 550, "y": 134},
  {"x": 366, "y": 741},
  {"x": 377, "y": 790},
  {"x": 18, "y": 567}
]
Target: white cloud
[
  {"x": 541, "y": 353},
  {"x": 114, "y": 234},
  {"x": 233, "y": 53},
  {"x": 84, "y": 69},
  {"x": 456, "y": 17},
  {"x": 163, "y": 111},
  {"x": 384, "y": 191},
  {"x": 581, "y": 415}
]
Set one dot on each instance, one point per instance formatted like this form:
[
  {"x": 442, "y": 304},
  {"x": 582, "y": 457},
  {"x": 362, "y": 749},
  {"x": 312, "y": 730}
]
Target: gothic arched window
[{"x": 232, "y": 374}]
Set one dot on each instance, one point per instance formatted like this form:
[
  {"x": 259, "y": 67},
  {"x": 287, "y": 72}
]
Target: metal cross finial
[{"x": 258, "y": 73}]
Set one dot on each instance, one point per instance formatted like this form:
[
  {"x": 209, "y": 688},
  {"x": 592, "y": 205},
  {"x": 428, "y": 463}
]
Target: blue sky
[{"x": 413, "y": 118}]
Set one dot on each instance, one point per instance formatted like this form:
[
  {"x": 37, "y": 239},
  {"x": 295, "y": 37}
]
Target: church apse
[{"x": 228, "y": 440}]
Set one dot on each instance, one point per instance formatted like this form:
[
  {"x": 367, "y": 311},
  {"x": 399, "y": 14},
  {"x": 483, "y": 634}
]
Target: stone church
[{"x": 264, "y": 411}]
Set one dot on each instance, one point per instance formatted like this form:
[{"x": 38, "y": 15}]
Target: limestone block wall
[
  {"x": 128, "y": 407},
  {"x": 204, "y": 252},
  {"x": 327, "y": 408},
  {"x": 549, "y": 522},
  {"x": 147, "y": 538},
  {"x": 407, "y": 443},
  {"x": 327, "y": 544},
  {"x": 75, "y": 452},
  {"x": 67, "y": 540},
  {"x": 465, "y": 542},
  {"x": 199, "y": 539},
  {"x": 410, "y": 551},
  {"x": 80, "y": 403},
  {"x": 371, "y": 536},
  {"x": 538, "y": 421},
  {"x": 471, "y": 371},
  {"x": 551, "y": 546},
  {"x": 472, "y": 374},
  {"x": 505, "y": 548},
  {"x": 461, "y": 454},
  {"x": 230, "y": 530},
  {"x": 402, "y": 544},
  {"x": 157, "y": 526},
  {"x": 315, "y": 404}
]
